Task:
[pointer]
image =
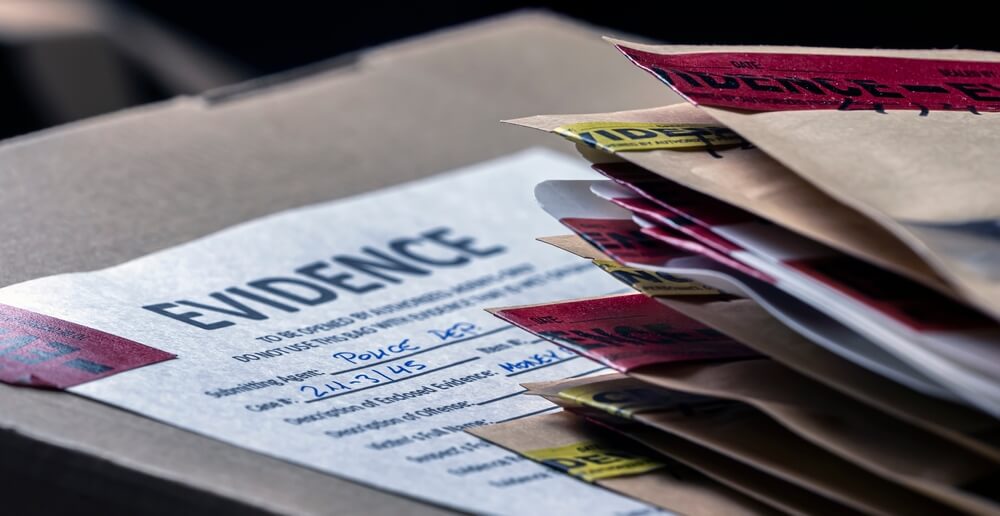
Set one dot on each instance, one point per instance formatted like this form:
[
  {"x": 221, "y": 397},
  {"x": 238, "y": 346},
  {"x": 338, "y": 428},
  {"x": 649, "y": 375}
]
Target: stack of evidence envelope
[{"x": 813, "y": 246}]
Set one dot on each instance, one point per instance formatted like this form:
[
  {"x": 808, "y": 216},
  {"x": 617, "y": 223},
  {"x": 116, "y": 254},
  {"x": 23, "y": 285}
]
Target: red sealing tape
[
  {"x": 784, "y": 82},
  {"x": 42, "y": 351}
]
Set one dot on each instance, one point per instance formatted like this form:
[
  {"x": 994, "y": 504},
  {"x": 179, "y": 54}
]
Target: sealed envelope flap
[{"x": 921, "y": 163}]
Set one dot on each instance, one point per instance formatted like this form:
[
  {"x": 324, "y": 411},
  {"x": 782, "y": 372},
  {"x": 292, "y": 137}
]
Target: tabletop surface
[{"x": 99, "y": 192}]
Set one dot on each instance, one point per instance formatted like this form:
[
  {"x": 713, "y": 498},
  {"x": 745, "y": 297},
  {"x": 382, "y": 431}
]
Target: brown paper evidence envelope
[
  {"x": 746, "y": 435},
  {"x": 673, "y": 488},
  {"x": 739, "y": 475},
  {"x": 746, "y": 321},
  {"x": 99, "y": 192},
  {"x": 880, "y": 443},
  {"x": 930, "y": 180}
]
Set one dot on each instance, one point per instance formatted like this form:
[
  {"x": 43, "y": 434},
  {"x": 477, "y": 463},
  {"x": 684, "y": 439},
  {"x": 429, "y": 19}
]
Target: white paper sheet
[{"x": 377, "y": 384}]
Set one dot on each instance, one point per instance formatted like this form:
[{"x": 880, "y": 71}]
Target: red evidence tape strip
[
  {"x": 786, "y": 82},
  {"x": 41, "y": 351},
  {"x": 626, "y": 332}
]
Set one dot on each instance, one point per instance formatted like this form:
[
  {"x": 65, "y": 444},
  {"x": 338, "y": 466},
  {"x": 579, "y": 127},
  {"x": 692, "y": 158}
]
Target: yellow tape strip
[
  {"x": 627, "y": 397},
  {"x": 644, "y": 136},
  {"x": 622, "y": 399},
  {"x": 654, "y": 284},
  {"x": 592, "y": 461}
]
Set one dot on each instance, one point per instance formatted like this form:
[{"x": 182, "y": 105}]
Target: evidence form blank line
[
  {"x": 585, "y": 373},
  {"x": 550, "y": 409},
  {"x": 505, "y": 396}
]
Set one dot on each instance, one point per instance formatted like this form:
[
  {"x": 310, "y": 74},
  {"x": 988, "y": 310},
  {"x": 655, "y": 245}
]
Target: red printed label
[
  {"x": 626, "y": 332},
  {"x": 43, "y": 351},
  {"x": 785, "y": 82}
]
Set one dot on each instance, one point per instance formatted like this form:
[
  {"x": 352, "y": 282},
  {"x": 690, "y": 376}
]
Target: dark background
[
  {"x": 270, "y": 38},
  {"x": 243, "y": 40}
]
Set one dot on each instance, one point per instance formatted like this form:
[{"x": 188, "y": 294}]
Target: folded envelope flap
[
  {"x": 950, "y": 53},
  {"x": 674, "y": 113},
  {"x": 908, "y": 138}
]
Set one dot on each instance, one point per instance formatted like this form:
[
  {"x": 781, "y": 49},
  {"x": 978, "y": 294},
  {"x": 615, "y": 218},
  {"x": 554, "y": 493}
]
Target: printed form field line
[
  {"x": 425, "y": 350},
  {"x": 543, "y": 366},
  {"x": 522, "y": 391},
  {"x": 529, "y": 414},
  {"x": 500, "y": 398},
  {"x": 429, "y": 371},
  {"x": 585, "y": 373}
]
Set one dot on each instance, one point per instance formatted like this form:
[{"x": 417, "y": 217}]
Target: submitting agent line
[{"x": 425, "y": 350}]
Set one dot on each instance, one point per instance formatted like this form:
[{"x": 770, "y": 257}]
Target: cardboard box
[{"x": 98, "y": 192}]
